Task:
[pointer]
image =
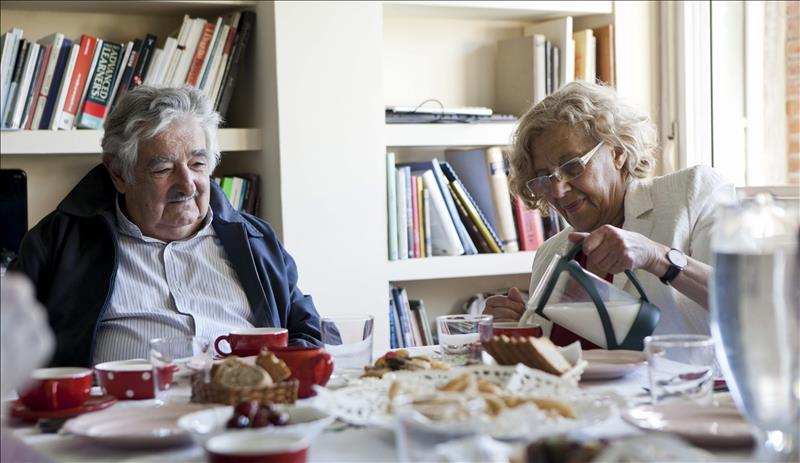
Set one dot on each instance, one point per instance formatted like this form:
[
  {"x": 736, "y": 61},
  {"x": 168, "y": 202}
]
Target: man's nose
[{"x": 184, "y": 181}]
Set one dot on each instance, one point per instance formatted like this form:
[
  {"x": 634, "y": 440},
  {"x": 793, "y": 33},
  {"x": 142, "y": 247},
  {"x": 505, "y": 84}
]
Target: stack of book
[
  {"x": 459, "y": 206},
  {"x": 408, "y": 321},
  {"x": 57, "y": 83},
  {"x": 241, "y": 191}
]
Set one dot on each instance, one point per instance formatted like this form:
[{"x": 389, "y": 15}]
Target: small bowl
[
  {"x": 303, "y": 420},
  {"x": 130, "y": 379},
  {"x": 244, "y": 447},
  {"x": 514, "y": 329}
]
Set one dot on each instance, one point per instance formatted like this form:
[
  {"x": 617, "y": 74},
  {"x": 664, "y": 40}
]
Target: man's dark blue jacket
[{"x": 71, "y": 256}]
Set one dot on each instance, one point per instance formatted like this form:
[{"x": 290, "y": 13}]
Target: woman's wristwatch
[{"x": 677, "y": 261}]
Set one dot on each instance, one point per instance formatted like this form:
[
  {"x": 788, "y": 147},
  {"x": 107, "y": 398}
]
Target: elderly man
[{"x": 147, "y": 246}]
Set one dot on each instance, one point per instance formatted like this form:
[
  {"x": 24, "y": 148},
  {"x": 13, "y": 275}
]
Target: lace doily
[{"x": 367, "y": 404}]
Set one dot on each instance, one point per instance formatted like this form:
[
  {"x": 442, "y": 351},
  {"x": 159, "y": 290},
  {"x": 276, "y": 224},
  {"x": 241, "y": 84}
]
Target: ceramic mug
[
  {"x": 514, "y": 329},
  {"x": 309, "y": 365},
  {"x": 249, "y": 341},
  {"x": 131, "y": 379},
  {"x": 247, "y": 447},
  {"x": 57, "y": 388}
]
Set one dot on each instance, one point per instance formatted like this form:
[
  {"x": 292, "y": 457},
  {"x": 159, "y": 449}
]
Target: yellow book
[
  {"x": 473, "y": 214},
  {"x": 420, "y": 217}
]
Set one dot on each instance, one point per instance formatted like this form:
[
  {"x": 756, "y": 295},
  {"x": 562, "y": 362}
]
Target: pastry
[{"x": 277, "y": 368}]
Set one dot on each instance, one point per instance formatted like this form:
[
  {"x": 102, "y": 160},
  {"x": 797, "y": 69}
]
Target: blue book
[
  {"x": 473, "y": 172},
  {"x": 404, "y": 331},
  {"x": 392, "y": 330},
  {"x": 58, "y": 76},
  {"x": 453, "y": 177}
]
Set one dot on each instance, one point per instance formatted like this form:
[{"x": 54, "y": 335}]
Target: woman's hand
[
  {"x": 612, "y": 250},
  {"x": 507, "y": 308}
]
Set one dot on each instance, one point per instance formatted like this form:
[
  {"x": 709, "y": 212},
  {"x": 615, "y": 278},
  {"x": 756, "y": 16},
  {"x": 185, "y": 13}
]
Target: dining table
[{"x": 339, "y": 442}]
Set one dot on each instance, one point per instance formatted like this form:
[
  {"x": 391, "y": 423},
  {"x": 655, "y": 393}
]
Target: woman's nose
[{"x": 558, "y": 188}]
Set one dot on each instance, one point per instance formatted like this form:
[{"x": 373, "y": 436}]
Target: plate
[
  {"x": 135, "y": 427},
  {"x": 712, "y": 426},
  {"x": 94, "y": 403},
  {"x": 611, "y": 364},
  {"x": 303, "y": 420},
  {"x": 366, "y": 404}
]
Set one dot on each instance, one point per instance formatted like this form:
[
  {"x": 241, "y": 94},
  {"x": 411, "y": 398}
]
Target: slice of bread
[
  {"x": 549, "y": 356},
  {"x": 236, "y": 374},
  {"x": 539, "y": 353}
]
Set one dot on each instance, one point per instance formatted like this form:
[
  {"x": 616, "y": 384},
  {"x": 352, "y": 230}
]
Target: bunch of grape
[{"x": 250, "y": 414}]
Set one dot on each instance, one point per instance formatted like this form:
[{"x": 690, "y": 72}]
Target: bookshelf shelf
[
  {"x": 483, "y": 265},
  {"x": 52, "y": 142},
  {"x": 416, "y": 135},
  {"x": 498, "y": 10},
  {"x": 203, "y": 7}
]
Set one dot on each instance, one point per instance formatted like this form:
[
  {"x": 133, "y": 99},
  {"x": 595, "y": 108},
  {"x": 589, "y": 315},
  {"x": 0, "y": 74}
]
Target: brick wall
[{"x": 793, "y": 89}]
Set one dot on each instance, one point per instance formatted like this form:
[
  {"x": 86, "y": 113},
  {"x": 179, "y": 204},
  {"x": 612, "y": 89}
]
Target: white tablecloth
[{"x": 339, "y": 443}]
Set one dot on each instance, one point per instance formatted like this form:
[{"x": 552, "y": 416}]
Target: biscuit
[
  {"x": 549, "y": 356},
  {"x": 277, "y": 368}
]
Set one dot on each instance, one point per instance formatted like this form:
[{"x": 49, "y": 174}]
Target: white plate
[
  {"x": 134, "y": 427},
  {"x": 611, "y": 364},
  {"x": 306, "y": 421},
  {"x": 720, "y": 426}
]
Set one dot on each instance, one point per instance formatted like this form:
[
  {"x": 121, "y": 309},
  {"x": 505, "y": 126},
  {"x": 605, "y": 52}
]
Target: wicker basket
[{"x": 282, "y": 392}]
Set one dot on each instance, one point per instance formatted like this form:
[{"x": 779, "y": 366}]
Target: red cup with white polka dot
[{"x": 128, "y": 379}]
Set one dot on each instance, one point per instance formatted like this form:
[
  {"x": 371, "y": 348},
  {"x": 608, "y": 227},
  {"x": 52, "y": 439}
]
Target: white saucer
[
  {"x": 720, "y": 426},
  {"x": 611, "y": 364}
]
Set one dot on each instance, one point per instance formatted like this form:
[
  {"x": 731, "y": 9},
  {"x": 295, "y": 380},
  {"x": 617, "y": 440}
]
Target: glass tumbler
[
  {"x": 681, "y": 368},
  {"x": 178, "y": 362},
  {"x": 348, "y": 338},
  {"x": 460, "y": 337}
]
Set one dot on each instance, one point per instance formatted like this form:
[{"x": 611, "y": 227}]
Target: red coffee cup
[
  {"x": 131, "y": 379},
  {"x": 57, "y": 388},
  {"x": 514, "y": 329},
  {"x": 249, "y": 341},
  {"x": 310, "y": 365},
  {"x": 247, "y": 447}
]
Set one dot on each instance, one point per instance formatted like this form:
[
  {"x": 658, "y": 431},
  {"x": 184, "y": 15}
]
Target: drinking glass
[
  {"x": 460, "y": 337},
  {"x": 681, "y": 367},
  {"x": 177, "y": 363},
  {"x": 348, "y": 338},
  {"x": 755, "y": 318}
]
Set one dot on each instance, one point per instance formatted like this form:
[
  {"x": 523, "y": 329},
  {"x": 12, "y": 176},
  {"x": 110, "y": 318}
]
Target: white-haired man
[{"x": 146, "y": 246}]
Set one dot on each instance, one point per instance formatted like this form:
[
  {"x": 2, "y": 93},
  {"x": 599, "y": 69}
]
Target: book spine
[
  {"x": 180, "y": 44},
  {"x": 405, "y": 319},
  {"x": 414, "y": 215},
  {"x": 419, "y": 216},
  {"x": 391, "y": 204},
  {"x": 473, "y": 214},
  {"x": 243, "y": 34},
  {"x": 79, "y": 77},
  {"x": 89, "y": 75},
  {"x": 426, "y": 206},
  {"x": 226, "y": 55},
  {"x": 158, "y": 56},
  {"x": 209, "y": 84},
  {"x": 193, "y": 37},
  {"x": 9, "y": 61},
  {"x": 100, "y": 87},
  {"x": 58, "y": 110},
  {"x": 529, "y": 226},
  {"x": 26, "y": 81},
  {"x": 501, "y": 198},
  {"x": 211, "y": 50},
  {"x": 461, "y": 231},
  {"x": 55, "y": 84},
  {"x": 13, "y": 90},
  {"x": 409, "y": 212},
  {"x": 416, "y": 329},
  {"x": 421, "y": 315},
  {"x": 199, "y": 55},
  {"x": 56, "y": 42},
  {"x": 398, "y": 312},
  {"x": 392, "y": 326},
  {"x": 445, "y": 241},
  {"x": 33, "y": 95},
  {"x": 127, "y": 50},
  {"x": 127, "y": 74},
  {"x": 144, "y": 60},
  {"x": 472, "y": 228},
  {"x": 402, "y": 236}
]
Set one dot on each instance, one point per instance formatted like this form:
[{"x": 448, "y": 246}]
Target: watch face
[{"x": 677, "y": 258}]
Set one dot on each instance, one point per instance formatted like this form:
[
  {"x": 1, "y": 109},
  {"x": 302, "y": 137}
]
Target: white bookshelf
[
  {"x": 59, "y": 142},
  {"x": 499, "y": 10},
  {"x": 447, "y": 267},
  {"x": 444, "y": 135}
]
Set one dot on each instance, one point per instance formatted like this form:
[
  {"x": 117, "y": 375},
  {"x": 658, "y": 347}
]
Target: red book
[
  {"x": 530, "y": 231},
  {"x": 79, "y": 78},
  {"x": 200, "y": 54}
]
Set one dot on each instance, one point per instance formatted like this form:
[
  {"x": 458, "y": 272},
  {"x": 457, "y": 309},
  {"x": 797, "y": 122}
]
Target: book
[
  {"x": 444, "y": 239},
  {"x": 393, "y": 344},
  {"x": 144, "y": 60},
  {"x": 530, "y": 231},
  {"x": 208, "y": 84},
  {"x": 78, "y": 81},
  {"x": 11, "y": 40},
  {"x": 161, "y": 60},
  {"x": 127, "y": 50},
  {"x": 559, "y": 33},
  {"x": 583, "y": 55},
  {"x": 126, "y": 78},
  {"x": 188, "y": 52},
  {"x": 604, "y": 56},
  {"x": 56, "y": 43},
  {"x": 233, "y": 22},
  {"x": 89, "y": 75},
  {"x": 402, "y": 234},
  {"x": 175, "y": 55},
  {"x": 200, "y": 55},
  {"x": 414, "y": 219},
  {"x": 417, "y": 334},
  {"x": 243, "y": 34},
  {"x": 227, "y": 188},
  {"x": 520, "y": 74},
  {"x": 36, "y": 85},
  {"x": 472, "y": 228},
  {"x": 498, "y": 180},
  {"x": 466, "y": 242},
  {"x": 476, "y": 216},
  {"x": 63, "y": 87},
  {"x": 237, "y": 184},
  {"x": 426, "y": 207},
  {"x": 26, "y": 78},
  {"x": 405, "y": 318},
  {"x": 409, "y": 212},
  {"x": 23, "y": 47},
  {"x": 213, "y": 46},
  {"x": 420, "y": 216},
  {"x": 100, "y": 85},
  {"x": 421, "y": 315},
  {"x": 391, "y": 204},
  {"x": 473, "y": 173},
  {"x": 398, "y": 325}
]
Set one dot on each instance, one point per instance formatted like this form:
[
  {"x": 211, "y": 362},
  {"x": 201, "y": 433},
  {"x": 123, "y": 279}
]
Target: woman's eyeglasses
[{"x": 540, "y": 186}]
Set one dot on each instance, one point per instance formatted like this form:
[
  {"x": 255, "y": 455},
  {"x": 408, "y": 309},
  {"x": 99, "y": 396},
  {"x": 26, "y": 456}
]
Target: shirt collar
[{"x": 128, "y": 228}]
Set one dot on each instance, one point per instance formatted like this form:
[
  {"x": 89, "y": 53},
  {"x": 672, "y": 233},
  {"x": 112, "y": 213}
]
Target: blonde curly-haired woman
[{"x": 589, "y": 155}]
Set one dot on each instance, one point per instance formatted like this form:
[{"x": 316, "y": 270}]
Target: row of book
[
  {"x": 241, "y": 191},
  {"x": 408, "y": 321},
  {"x": 459, "y": 206},
  {"x": 549, "y": 55},
  {"x": 57, "y": 83}
]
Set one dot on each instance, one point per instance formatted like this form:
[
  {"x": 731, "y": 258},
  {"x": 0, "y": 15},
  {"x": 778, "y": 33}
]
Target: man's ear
[
  {"x": 119, "y": 182},
  {"x": 620, "y": 156}
]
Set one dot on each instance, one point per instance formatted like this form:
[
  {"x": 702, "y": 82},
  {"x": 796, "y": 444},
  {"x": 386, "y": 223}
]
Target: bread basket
[{"x": 283, "y": 392}]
